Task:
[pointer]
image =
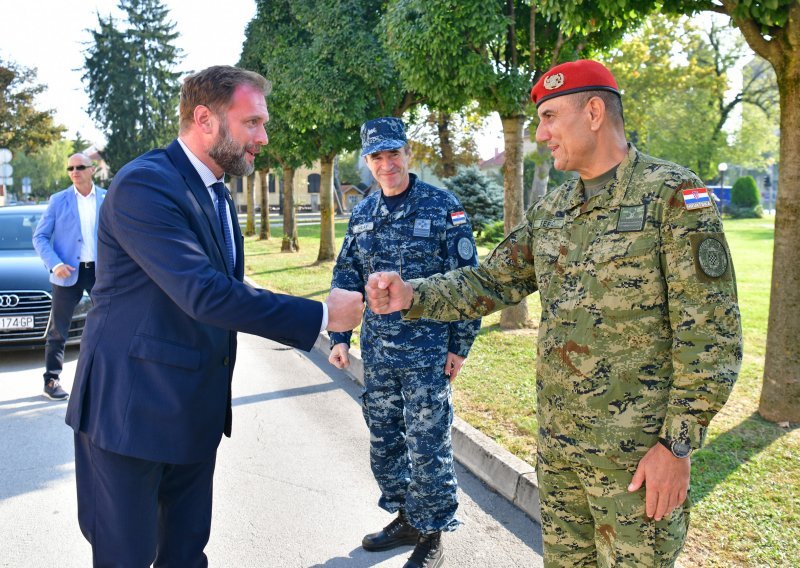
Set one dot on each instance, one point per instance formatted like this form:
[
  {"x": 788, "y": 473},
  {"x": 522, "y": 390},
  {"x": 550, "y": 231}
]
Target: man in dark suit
[
  {"x": 66, "y": 240},
  {"x": 152, "y": 391}
]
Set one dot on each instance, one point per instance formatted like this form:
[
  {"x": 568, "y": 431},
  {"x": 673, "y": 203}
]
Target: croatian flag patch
[
  {"x": 458, "y": 218},
  {"x": 696, "y": 198}
]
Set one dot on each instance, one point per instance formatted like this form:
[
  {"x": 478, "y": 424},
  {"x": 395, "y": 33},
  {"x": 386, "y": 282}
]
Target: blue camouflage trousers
[{"x": 409, "y": 413}]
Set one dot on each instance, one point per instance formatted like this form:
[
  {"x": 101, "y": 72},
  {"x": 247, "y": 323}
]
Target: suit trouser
[
  {"x": 65, "y": 298},
  {"x": 137, "y": 512}
]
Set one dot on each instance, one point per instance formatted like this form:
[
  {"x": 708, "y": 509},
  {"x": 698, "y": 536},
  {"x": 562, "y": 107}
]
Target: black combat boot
[
  {"x": 429, "y": 552},
  {"x": 397, "y": 533}
]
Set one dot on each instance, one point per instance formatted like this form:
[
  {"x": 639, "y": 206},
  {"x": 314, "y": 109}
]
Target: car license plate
[{"x": 16, "y": 322}]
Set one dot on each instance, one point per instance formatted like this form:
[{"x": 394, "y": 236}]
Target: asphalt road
[{"x": 293, "y": 485}]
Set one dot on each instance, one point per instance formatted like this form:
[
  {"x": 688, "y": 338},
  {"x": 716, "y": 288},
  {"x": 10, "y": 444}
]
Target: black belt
[{"x": 87, "y": 265}]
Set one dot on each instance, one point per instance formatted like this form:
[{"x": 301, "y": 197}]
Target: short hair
[
  {"x": 612, "y": 101},
  {"x": 214, "y": 87}
]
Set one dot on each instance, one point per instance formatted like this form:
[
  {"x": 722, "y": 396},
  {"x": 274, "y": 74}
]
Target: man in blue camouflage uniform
[
  {"x": 417, "y": 230},
  {"x": 640, "y": 335}
]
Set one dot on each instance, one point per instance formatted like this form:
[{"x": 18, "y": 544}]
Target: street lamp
[{"x": 723, "y": 167}]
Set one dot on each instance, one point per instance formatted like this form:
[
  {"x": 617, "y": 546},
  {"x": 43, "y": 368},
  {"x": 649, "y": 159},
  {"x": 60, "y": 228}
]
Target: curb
[{"x": 503, "y": 472}]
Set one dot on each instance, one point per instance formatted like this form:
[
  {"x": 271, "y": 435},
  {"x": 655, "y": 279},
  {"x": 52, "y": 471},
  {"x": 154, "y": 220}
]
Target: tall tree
[
  {"x": 273, "y": 30},
  {"x": 332, "y": 78},
  {"x": 22, "y": 127},
  {"x": 131, "y": 82},
  {"x": 663, "y": 94}
]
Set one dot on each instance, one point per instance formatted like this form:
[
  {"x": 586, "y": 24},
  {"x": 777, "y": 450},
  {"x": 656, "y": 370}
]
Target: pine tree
[
  {"x": 481, "y": 197},
  {"x": 133, "y": 90}
]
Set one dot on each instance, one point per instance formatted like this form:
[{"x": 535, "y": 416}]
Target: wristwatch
[{"x": 679, "y": 449}]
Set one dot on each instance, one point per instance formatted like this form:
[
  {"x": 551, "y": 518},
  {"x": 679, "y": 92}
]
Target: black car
[{"x": 25, "y": 289}]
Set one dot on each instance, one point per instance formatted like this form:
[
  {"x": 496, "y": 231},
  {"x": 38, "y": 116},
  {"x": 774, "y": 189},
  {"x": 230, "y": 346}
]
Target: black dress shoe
[
  {"x": 429, "y": 552},
  {"x": 397, "y": 533}
]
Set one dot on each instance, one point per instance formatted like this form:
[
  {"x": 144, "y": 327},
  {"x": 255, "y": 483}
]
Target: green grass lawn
[{"x": 745, "y": 481}]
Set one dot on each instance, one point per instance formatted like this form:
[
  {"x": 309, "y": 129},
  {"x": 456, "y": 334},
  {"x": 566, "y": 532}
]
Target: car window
[{"x": 16, "y": 230}]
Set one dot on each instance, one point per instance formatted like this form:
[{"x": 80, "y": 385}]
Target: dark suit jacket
[{"x": 154, "y": 373}]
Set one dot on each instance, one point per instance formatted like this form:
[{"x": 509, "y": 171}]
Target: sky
[{"x": 52, "y": 36}]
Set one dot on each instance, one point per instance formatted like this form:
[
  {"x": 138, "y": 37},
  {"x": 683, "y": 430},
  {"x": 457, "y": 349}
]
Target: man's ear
[
  {"x": 204, "y": 119},
  {"x": 597, "y": 112}
]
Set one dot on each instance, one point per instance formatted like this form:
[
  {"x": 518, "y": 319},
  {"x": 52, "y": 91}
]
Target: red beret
[{"x": 573, "y": 77}]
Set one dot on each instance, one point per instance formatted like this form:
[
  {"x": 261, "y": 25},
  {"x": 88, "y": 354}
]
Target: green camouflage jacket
[{"x": 640, "y": 333}]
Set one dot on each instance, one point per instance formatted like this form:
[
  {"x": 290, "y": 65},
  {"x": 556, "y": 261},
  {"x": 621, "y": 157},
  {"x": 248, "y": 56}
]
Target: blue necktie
[{"x": 219, "y": 189}]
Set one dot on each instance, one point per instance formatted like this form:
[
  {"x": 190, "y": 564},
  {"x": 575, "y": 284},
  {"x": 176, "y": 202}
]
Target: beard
[{"x": 230, "y": 155}]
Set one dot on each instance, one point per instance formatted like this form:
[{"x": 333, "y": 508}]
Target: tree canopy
[
  {"x": 131, "y": 80},
  {"x": 22, "y": 126}
]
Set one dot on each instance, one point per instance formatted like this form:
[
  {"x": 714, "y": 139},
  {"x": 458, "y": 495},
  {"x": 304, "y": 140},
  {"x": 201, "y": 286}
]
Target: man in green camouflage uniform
[{"x": 640, "y": 336}]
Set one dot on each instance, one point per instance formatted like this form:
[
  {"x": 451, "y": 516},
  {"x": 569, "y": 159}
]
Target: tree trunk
[
  {"x": 265, "y": 232},
  {"x": 542, "y": 173},
  {"x": 446, "y": 145},
  {"x": 290, "y": 241},
  {"x": 327, "y": 244},
  {"x": 513, "y": 209},
  {"x": 780, "y": 395},
  {"x": 249, "y": 199}
]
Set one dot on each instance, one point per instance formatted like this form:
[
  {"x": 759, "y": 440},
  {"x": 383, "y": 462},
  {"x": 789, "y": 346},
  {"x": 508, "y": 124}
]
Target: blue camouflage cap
[{"x": 385, "y": 133}]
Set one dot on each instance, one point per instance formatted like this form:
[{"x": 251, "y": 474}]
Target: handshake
[{"x": 386, "y": 293}]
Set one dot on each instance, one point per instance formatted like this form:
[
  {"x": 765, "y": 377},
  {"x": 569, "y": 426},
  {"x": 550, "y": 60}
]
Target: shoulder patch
[
  {"x": 710, "y": 256},
  {"x": 458, "y": 218},
  {"x": 465, "y": 248},
  {"x": 696, "y": 198}
]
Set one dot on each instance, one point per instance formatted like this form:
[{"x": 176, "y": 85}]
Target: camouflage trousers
[
  {"x": 590, "y": 519},
  {"x": 409, "y": 413}
]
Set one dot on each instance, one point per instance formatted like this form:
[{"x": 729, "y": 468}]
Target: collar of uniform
[
  {"x": 616, "y": 189},
  {"x": 623, "y": 178},
  {"x": 409, "y": 205}
]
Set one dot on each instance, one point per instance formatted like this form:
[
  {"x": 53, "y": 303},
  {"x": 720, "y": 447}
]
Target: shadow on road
[
  {"x": 478, "y": 491},
  {"x": 37, "y": 446},
  {"x": 300, "y": 391},
  {"x": 360, "y": 558}
]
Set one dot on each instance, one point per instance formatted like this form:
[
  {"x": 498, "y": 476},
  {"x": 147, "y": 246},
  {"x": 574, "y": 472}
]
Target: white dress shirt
[
  {"x": 87, "y": 211},
  {"x": 209, "y": 179}
]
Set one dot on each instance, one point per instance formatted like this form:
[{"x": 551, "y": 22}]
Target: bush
[
  {"x": 745, "y": 192},
  {"x": 736, "y": 212},
  {"x": 481, "y": 197},
  {"x": 493, "y": 233},
  {"x": 745, "y": 200}
]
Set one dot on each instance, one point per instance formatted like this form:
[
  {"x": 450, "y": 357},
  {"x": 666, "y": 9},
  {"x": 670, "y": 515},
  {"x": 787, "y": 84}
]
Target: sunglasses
[{"x": 79, "y": 168}]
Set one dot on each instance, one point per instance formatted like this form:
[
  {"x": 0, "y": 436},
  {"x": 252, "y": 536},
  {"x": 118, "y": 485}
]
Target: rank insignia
[
  {"x": 422, "y": 228},
  {"x": 631, "y": 218}
]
